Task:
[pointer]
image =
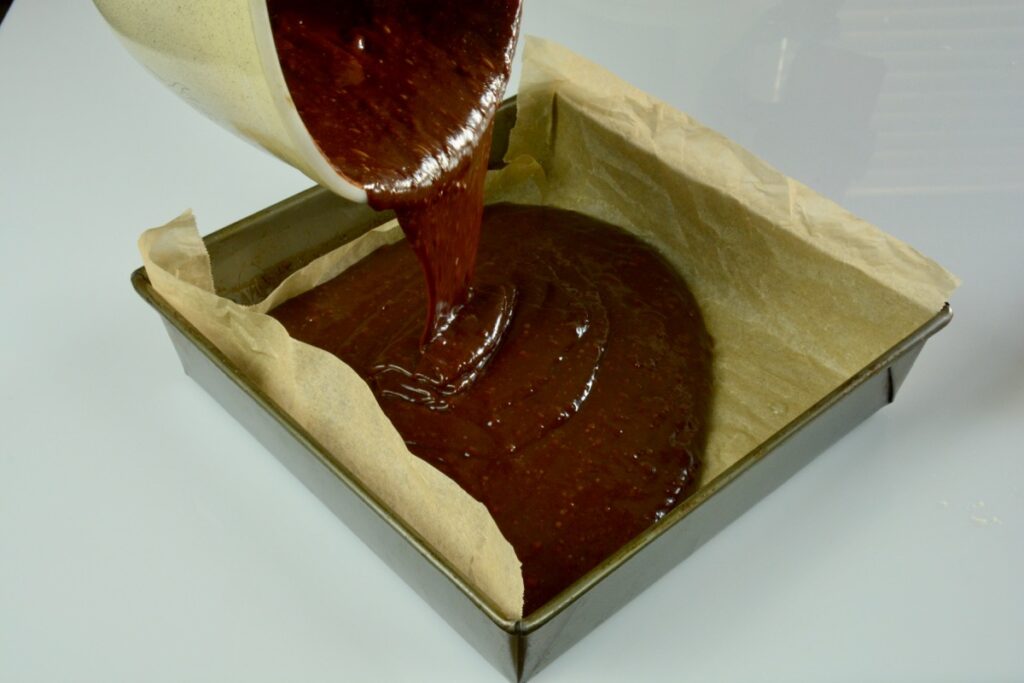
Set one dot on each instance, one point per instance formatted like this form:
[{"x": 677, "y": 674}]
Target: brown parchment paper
[{"x": 797, "y": 293}]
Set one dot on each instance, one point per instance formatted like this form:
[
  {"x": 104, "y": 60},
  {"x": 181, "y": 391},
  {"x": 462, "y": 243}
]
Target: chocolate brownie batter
[
  {"x": 400, "y": 96},
  {"x": 569, "y": 395},
  {"x": 567, "y": 389}
]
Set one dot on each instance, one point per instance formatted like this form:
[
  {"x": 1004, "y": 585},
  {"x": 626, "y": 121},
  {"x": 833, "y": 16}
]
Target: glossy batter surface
[
  {"x": 400, "y": 97},
  {"x": 569, "y": 395}
]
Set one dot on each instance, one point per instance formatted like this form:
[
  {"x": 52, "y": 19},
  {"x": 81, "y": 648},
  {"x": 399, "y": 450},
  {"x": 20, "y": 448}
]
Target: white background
[{"x": 145, "y": 536}]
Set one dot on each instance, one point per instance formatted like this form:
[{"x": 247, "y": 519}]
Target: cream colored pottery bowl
[{"x": 219, "y": 56}]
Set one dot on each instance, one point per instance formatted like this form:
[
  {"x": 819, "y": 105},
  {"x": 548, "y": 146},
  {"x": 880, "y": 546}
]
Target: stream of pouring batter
[
  {"x": 400, "y": 96},
  {"x": 568, "y": 389}
]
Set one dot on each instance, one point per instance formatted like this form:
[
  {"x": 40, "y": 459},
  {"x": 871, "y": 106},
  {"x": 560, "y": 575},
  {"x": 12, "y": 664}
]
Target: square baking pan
[{"x": 252, "y": 256}]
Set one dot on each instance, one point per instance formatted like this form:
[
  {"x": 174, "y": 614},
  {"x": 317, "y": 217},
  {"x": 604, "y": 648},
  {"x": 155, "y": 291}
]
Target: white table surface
[{"x": 145, "y": 536}]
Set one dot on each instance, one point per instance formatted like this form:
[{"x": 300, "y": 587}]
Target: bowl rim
[{"x": 302, "y": 141}]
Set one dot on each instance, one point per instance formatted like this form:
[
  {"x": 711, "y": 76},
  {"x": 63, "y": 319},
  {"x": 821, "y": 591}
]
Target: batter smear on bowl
[{"x": 569, "y": 395}]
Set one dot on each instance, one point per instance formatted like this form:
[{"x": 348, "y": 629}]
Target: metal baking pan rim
[{"x": 584, "y": 584}]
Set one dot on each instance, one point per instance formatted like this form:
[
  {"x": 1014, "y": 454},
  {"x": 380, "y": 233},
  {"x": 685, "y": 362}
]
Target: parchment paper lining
[{"x": 797, "y": 293}]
